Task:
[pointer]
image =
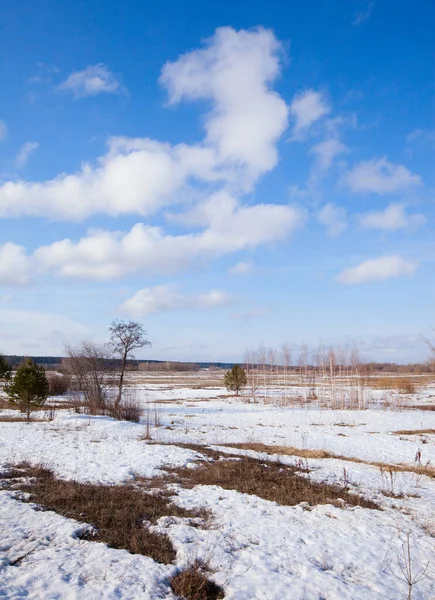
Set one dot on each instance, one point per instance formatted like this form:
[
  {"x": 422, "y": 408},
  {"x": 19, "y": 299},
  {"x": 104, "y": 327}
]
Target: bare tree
[
  {"x": 431, "y": 344},
  {"x": 89, "y": 366},
  {"x": 124, "y": 338}
]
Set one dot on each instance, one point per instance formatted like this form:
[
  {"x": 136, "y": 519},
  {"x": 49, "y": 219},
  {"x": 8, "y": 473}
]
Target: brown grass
[
  {"x": 18, "y": 419},
  {"x": 193, "y": 584},
  {"x": 119, "y": 514},
  {"x": 272, "y": 481},
  {"x": 324, "y": 454},
  {"x": 414, "y": 431},
  {"x": 429, "y": 407},
  {"x": 402, "y": 385}
]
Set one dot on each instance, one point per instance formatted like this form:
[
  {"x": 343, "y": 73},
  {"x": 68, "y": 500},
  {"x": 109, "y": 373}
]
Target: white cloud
[
  {"x": 95, "y": 79},
  {"x": 378, "y": 269},
  {"x": 327, "y": 151},
  {"x": 334, "y": 218},
  {"x": 24, "y": 153},
  {"x": 380, "y": 176},
  {"x": 166, "y": 298},
  {"x": 104, "y": 255},
  {"x": 306, "y": 108},
  {"x": 235, "y": 71},
  {"x": 3, "y": 130},
  {"x": 363, "y": 15},
  {"x": 241, "y": 268},
  {"x": 392, "y": 218},
  {"x": 421, "y": 135},
  {"x": 15, "y": 265}
]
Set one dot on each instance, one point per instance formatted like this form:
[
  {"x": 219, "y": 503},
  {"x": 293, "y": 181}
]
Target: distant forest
[{"x": 53, "y": 362}]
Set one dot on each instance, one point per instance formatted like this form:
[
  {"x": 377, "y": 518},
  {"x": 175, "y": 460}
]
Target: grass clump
[{"x": 192, "y": 583}]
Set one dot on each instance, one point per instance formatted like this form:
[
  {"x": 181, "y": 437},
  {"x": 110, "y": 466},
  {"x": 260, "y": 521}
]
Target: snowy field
[{"x": 255, "y": 548}]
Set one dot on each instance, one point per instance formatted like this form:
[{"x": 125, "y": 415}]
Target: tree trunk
[{"x": 121, "y": 381}]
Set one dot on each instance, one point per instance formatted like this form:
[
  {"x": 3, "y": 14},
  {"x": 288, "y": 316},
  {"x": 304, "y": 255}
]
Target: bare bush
[
  {"x": 129, "y": 409},
  {"x": 89, "y": 367},
  {"x": 58, "y": 384}
]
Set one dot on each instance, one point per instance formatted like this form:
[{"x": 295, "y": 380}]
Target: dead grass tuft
[{"x": 193, "y": 584}]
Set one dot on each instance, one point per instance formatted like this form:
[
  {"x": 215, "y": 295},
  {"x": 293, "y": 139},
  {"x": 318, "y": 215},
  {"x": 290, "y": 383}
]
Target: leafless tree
[
  {"x": 124, "y": 338},
  {"x": 89, "y": 367}
]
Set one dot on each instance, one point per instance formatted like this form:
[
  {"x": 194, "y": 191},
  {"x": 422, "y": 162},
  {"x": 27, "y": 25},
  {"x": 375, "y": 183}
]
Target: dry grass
[
  {"x": 193, "y": 584},
  {"x": 119, "y": 515},
  {"x": 270, "y": 480},
  {"x": 402, "y": 385},
  {"x": 428, "y": 470},
  {"x": 18, "y": 419},
  {"x": 414, "y": 431},
  {"x": 429, "y": 407}
]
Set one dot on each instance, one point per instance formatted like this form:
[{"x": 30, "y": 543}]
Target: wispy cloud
[
  {"x": 95, "y": 79},
  {"x": 378, "y": 269},
  {"x": 363, "y": 15},
  {"x": 306, "y": 108},
  {"x": 380, "y": 176},
  {"x": 334, "y": 218},
  {"x": 3, "y": 130},
  {"x": 166, "y": 298},
  {"x": 241, "y": 268},
  {"x": 392, "y": 218},
  {"x": 25, "y": 151}
]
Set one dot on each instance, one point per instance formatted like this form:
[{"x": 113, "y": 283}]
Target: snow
[{"x": 258, "y": 550}]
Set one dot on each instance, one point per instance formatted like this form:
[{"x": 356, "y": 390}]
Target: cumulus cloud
[
  {"x": 241, "y": 268},
  {"x": 103, "y": 255},
  {"x": 326, "y": 152},
  {"x": 165, "y": 298},
  {"x": 15, "y": 266},
  {"x": 306, "y": 108},
  {"x": 380, "y": 176},
  {"x": 3, "y": 130},
  {"x": 95, "y": 79},
  {"x": 234, "y": 71},
  {"x": 24, "y": 153},
  {"x": 392, "y": 218},
  {"x": 378, "y": 269},
  {"x": 334, "y": 218}
]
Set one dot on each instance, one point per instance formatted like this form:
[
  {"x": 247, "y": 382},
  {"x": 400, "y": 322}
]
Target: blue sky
[{"x": 229, "y": 174}]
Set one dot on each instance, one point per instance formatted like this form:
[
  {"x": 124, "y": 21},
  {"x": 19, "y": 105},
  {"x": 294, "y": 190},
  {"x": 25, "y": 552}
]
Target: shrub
[
  {"x": 58, "y": 384},
  {"x": 129, "y": 409}
]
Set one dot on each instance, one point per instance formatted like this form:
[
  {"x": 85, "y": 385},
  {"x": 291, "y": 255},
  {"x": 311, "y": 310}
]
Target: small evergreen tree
[
  {"x": 5, "y": 368},
  {"x": 235, "y": 379},
  {"x": 29, "y": 388}
]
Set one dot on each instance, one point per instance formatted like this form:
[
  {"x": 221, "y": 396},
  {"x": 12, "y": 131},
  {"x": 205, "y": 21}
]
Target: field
[{"x": 282, "y": 493}]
